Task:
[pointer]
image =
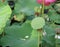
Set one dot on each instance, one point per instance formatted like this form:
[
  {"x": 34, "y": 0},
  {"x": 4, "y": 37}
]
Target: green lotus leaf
[
  {"x": 20, "y": 17},
  {"x": 38, "y": 23},
  {"x": 5, "y": 13},
  {"x": 57, "y": 7}
]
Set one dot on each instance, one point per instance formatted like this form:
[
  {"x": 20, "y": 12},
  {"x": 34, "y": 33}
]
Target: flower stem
[
  {"x": 43, "y": 8},
  {"x": 40, "y": 32}
]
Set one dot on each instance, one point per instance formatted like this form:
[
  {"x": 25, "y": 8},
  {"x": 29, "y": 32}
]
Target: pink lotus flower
[{"x": 46, "y": 2}]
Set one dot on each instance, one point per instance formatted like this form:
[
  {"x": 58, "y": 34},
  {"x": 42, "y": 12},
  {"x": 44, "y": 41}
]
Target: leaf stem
[
  {"x": 39, "y": 37},
  {"x": 56, "y": 41}
]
